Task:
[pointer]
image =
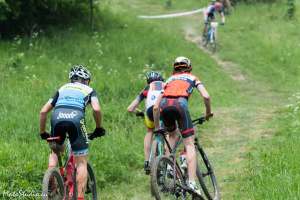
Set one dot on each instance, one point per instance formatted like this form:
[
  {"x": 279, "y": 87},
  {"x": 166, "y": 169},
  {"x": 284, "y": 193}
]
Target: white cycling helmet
[
  {"x": 182, "y": 63},
  {"x": 78, "y": 71}
]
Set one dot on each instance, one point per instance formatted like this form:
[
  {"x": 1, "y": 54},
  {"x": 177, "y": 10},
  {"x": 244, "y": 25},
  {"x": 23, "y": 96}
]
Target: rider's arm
[
  {"x": 45, "y": 110},
  {"x": 96, "y": 111},
  {"x": 156, "y": 111},
  {"x": 206, "y": 98},
  {"x": 43, "y": 116},
  {"x": 135, "y": 103}
]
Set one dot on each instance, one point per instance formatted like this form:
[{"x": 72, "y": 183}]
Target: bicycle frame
[
  {"x": 173, "y": 154},
  {"x": 174, "y": 150},
  {"x": 158, "y": 148},
  {"x": 67, "y": 169},
  {"x": 212, "y": 32}
]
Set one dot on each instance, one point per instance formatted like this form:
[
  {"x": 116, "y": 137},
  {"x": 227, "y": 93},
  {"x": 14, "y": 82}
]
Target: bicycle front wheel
[
  {"x": 212, "y": 42},
  {"x": 53, "y": 186},
  {"x": 91, "y": 188},
  {"x": 206, "y": 175}
]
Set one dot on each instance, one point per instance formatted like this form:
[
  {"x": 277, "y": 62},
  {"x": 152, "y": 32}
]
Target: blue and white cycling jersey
[{"x": 75, "y": 95}]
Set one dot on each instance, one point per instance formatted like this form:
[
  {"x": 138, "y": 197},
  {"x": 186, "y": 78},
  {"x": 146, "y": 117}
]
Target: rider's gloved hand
[
  {"x": 222, "y": 23},
  {"x": 208, "y": 115},
  {"x": 44, "y": 135},
  {"x": 98, "y": 132},
  {"x": 139, "y": 114}
]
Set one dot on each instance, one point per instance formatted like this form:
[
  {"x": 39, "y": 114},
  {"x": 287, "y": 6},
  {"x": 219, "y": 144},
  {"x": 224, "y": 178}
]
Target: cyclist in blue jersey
[
  {"x": 69, "y": 104},
  {"x": 209, "y": 14}
]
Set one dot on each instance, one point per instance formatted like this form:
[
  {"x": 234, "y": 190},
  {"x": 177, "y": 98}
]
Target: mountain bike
[
  {"x": 60, "y": 183},
  {"x": 158, "y": 145},
  {"x": 210, "y": 37},
  {"x": 169, "y": 180}
]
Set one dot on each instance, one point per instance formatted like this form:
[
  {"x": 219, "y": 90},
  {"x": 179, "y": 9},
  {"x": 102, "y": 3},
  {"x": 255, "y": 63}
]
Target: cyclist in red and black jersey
[{"x": 172, "y": 106}]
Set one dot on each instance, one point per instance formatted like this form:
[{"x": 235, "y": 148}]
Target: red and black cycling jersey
[{"x": 181, "y": 85}]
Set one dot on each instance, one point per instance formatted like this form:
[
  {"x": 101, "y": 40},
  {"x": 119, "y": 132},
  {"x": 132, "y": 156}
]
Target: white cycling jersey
[{"x": 155, "y": 88}]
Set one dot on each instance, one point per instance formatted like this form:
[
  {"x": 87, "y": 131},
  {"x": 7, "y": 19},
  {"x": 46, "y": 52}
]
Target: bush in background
[
  {"x": 253, "y": 1},
  {"x": 26, "y": 16},
  {"x": 291, "y": 9}
]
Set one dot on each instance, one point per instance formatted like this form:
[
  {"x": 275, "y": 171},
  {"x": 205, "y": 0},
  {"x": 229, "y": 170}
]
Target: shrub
[
  {"x": 25, "y": 16},
  {"x": 291, "y": 9},
  {"x": 253, "y": 1}
]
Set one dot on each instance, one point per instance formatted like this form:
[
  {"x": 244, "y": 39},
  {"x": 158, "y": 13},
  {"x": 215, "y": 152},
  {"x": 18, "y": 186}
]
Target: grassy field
[{"x": 252, "y": 141}]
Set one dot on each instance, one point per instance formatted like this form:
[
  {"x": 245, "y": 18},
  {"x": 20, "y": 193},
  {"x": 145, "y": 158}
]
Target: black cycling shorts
[
  {"x": 210, "y": 17},
  {"x": 176, "y": 110},
  {"x": 70, "y": 121},
  {"x": 149, "y": 113}
]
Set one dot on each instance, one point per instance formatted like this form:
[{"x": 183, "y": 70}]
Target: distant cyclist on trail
[
  {"x": 154, "y": 87},
  {"x": 69, "y": 104},
  {"x": 172, "y": 107},
  {"x": 209, "y": 14}
]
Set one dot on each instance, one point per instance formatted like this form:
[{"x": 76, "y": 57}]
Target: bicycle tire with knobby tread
[
  {"x": 155, "y": 189},
  {"x": 46, "y": 183},
  {"x": 202, "y": 158},
  {"x": 91, "y": 184}
]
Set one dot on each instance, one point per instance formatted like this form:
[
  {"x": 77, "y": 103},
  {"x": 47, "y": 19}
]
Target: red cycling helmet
[{"x": 218, "y": 6}]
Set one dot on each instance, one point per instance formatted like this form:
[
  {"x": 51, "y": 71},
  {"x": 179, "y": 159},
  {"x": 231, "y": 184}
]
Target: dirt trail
[
  {"x": 229, "y": 68},
  {"x": 236, "y": 128},
  {"x": 230, "y": 134}
]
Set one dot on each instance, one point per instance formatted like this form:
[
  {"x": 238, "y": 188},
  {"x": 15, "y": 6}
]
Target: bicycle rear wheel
[
  {"x": 53, "y": 186},
  {"x": 91, "y": 188},
  {"x": 163, "y": 183},
  {"x": 206, "y": 175}
]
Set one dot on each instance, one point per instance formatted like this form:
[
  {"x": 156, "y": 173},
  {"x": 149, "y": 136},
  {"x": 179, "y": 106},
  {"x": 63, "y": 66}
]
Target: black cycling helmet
[
  {"x": 78, "y": 71},
  {"x": 153, "y": 76},
  {"x": 182, "y": 64}
]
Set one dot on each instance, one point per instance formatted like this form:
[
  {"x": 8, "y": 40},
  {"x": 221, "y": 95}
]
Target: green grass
[
  {"x": 265, "y": 44},
  {"x": 273, "y": 171},
  {"x": 266, "y": 47},
  {"x": 118, "y": 53}
]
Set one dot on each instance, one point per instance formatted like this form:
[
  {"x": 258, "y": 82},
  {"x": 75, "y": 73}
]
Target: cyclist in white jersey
[{"x": 154, "y": 87}]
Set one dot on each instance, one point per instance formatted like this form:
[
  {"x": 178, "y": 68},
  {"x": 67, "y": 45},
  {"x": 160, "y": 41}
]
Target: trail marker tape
[{"x": 172, "y": 15}]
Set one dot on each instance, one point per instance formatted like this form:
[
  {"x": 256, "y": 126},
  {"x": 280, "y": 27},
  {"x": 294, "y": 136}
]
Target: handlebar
[
  {"x": 91, "y": 136},
  {"x": 54, "y": 139},
  {"x": 199, "y": 120}
]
